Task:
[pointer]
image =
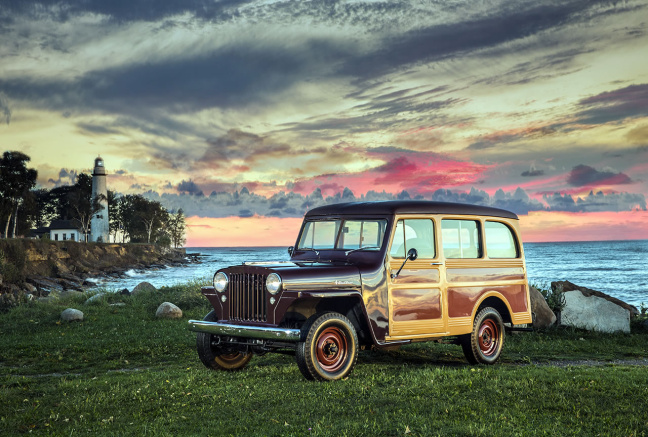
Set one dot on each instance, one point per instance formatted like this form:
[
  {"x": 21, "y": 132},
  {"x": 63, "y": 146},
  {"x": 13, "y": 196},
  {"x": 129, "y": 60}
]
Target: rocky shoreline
[{"x": 31, "y": 269}]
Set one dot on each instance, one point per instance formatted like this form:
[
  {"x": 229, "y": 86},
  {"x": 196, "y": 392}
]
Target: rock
[
  {"x": 125, "y": 292},
  {"x": 167, "y": 310},
  {"x": 144, "y": 286},
  {"x": 71, "y": 315},
  {"x": 1, "y": 279},
  {"x": 96, "y": 298},
  {"x": 594, "y": 313},
  {"x": 568, "y": 286},
  {"x": 645, "y": 325},
  {"x": 29, "y": 288},
  {"x": 543, "y": 317}
]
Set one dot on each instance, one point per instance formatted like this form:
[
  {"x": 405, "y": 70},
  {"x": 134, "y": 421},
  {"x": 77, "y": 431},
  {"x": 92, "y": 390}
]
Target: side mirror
[
  {"x": 412, "y": 254},
  {"x": 291, "y": 250}
]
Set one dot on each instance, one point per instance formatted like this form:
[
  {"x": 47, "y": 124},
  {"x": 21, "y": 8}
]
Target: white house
[{"x": 63, "y": 230}]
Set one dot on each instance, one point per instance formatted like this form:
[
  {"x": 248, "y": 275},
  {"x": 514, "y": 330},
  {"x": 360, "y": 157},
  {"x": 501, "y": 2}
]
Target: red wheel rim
[
  {"x": 331, "y": 349},
  {"x": 230, "y": 358},
  {"x": 488, "y": 337}
]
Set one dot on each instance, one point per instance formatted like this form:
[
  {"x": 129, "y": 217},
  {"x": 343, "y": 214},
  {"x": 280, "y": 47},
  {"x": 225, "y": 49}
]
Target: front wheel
[
  {"x": 219, "y": 357},
  {"x": 330, "y": 347},
  {"x": 484, "y": 344}
]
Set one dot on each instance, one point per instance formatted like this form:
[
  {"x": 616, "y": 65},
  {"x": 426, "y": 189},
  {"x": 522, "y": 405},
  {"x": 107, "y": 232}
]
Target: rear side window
[
  {"x": 461, "y": 239},
  {"x": 413, "y": 233},
  {"x": 500, "y": 242}
]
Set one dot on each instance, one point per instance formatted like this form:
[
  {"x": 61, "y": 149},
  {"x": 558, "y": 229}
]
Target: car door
[{"x": 415, "y": 295}]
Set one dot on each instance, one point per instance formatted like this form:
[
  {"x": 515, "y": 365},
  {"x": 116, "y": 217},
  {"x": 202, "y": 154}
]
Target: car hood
[{"x": 303, "y": 276}]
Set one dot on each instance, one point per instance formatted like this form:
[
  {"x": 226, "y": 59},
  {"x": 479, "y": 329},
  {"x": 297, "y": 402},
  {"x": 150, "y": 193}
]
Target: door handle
[{"x": 436, "y": 264}]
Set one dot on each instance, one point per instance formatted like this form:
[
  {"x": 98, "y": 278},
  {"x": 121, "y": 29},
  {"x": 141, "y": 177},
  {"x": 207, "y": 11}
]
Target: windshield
[{"x": 343, "y": 234}]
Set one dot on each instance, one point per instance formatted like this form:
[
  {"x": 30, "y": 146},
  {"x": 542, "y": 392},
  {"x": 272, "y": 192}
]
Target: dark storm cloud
[
  {"x": 232, "y": 77},
  {"x": 440, "y": 42},
  {"x": 617, "y": 105},
  {"x": 596, "y": 202},
  {"x": 584, "y": 175}
]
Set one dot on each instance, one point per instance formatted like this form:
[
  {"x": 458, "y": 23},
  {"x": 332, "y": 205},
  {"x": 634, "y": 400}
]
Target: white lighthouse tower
[{"x": 99, "y": 231}]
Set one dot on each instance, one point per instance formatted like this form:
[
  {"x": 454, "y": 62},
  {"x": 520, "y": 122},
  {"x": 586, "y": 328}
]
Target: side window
[
  {"x": 500, "y": 242},
  {"x": 413, "y": 233},
  {"x": 461, "y": 239}
]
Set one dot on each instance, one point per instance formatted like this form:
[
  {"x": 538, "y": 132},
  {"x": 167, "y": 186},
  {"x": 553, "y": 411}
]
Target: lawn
[{"x": 123, "y": 372}]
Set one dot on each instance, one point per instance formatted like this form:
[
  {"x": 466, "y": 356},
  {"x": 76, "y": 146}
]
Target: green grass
[{"x": 123, "y": 372}]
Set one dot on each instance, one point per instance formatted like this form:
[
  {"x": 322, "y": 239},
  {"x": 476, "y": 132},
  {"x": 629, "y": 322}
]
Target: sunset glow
[{"x": 248, "y": 114}]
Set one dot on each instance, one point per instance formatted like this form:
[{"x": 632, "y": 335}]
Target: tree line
[{"x": 131, "y": 217}]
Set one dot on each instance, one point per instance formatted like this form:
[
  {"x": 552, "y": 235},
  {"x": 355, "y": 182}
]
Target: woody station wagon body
[{"x": 372, "y": 274}]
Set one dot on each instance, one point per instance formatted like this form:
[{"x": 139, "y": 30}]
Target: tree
[
  {"x": 15, "y": 182},
  {"x": 142, "y": 219},
  {"x": 176, "y": 228}
]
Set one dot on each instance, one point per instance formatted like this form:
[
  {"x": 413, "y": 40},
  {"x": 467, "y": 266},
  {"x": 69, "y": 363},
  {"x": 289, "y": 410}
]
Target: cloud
[
  {"x": 613, "y": 106},
  {"x": 596, "y": 202},
  {"x": 65, "y": 177},
  {"x": 5, "y": 109},
  {"x": 532, "y": 173},
  {"x": 189, "y": 187},
  {"x": 584, "y": 175},
  {"x": 442, "y": 41}
]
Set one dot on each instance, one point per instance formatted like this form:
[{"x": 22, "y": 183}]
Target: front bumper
[{"x": 260, "y": 332}]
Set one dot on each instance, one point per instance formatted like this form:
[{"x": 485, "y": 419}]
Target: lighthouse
[{"x": 99, "y": 231}]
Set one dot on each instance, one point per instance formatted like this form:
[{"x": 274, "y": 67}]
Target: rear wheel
[
  {"x": 330, "y": 347},
  {"x": 216, "y": 356},
  {"x": 484, "y": 344}
]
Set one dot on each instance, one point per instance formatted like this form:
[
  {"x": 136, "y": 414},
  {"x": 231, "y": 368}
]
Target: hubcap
[
  {"x": 488, "y": 337},
  {"x": 331, "y": 349}
]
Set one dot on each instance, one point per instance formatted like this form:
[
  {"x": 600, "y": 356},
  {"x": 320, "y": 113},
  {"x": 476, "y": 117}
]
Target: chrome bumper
[{"x": 260, "y": 332}]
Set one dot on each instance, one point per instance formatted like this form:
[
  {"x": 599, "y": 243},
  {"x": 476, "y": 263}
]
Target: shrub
[
  {"x": 555, "y": 298},
  {"x": 13, "y": 259}
]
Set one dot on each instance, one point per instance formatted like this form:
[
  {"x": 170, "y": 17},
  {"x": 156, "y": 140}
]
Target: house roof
[{"x": 65, "y": 224}]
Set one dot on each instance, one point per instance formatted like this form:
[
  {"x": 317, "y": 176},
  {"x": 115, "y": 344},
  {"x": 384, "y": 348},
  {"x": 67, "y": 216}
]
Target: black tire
[
  {"x": 484, "y": 344},
  {"x": 330, "y": 347},
  {"x": 218, "y": 357}
]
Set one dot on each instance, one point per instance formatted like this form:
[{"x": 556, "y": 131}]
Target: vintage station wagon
[{"x": 372, "y": 275}]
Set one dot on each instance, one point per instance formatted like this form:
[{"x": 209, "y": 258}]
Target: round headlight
[
  {"x": 220, "y": 281},
  {"x": 273, "y": 283}
]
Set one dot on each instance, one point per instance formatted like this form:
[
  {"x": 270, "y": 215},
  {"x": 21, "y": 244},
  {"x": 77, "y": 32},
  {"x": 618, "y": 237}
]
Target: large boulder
[
  {"x": 167, "y": 310},
  {"x": 144, "y": 286},
  {"x": 71, "y": 315},
  {"x": 543, "y": 317},
  {"x": 592, "y": 310}
]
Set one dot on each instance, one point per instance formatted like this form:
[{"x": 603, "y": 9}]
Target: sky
[{"x": 246, "y": 114}]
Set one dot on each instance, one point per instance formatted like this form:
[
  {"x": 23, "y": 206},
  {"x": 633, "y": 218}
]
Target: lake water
[{"x": 618, "y": 268}]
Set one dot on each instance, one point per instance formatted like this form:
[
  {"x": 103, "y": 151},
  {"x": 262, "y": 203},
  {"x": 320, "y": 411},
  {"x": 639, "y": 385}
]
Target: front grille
[{"x": 247, "y": 297}]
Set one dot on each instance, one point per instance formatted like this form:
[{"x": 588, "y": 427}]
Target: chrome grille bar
[{"x": 247, "y": 297}]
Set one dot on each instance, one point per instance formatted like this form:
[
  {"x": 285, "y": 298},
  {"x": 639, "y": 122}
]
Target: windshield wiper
[
  {"x": 361, "y": 248},
  {"x": 309, "y": 248}
]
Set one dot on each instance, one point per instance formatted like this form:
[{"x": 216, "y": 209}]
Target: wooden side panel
[
  {"x": 462, "y": 300},
  {"x": 416, "y": 304}
]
